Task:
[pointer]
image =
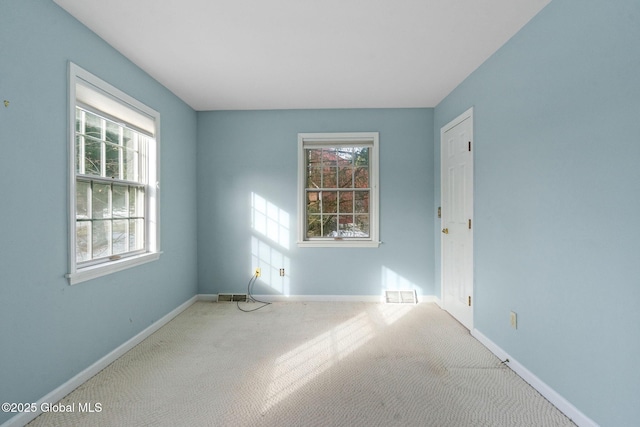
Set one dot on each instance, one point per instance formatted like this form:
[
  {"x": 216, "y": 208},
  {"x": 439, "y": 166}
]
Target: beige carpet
[{"x": 309, "y": 364}]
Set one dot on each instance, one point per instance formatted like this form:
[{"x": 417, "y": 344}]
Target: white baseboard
[
  {"x": 550, "y": 394},
  {"x": 66, "y": 388},
  {"x": 321, "y": 298},
  {"x": 433, "y": 299},
  {"x": 438, "y": 301},
  {"x": 207, "y": 297}
]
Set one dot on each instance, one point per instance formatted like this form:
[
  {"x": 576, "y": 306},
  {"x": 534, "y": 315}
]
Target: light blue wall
[
  {"x": 556, "y": 179},
  {"x": 241, "y": 153},
  {"x": 50, "y": 331},
  {"x": 557, "y": 196}
]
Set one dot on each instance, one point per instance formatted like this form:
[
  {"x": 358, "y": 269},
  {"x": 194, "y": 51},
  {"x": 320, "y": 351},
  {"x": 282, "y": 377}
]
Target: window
[
  {"x": 338, "y": 189},
  {"x": 114, "y": 190}
]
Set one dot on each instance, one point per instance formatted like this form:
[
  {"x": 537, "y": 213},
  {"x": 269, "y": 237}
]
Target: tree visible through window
[
  {"x": 338, "y": 192},
  {"x": 339, "y": 184},
  {"x": 113, "y": 179},
  {"x": 110, "y": 188}
]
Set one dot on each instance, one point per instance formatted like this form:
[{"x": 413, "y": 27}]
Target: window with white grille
[
  {"x": 114, "y": 179},
  {"x": 338, "y": 189}
]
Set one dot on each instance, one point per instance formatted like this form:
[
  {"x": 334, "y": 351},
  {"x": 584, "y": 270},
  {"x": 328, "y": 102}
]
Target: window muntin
[
  {"x": 338, "y": 186},
  {"x": 337, "y": 192},
  {"x": 114, "y": 169},
  {"x": 110, "y": 188}
]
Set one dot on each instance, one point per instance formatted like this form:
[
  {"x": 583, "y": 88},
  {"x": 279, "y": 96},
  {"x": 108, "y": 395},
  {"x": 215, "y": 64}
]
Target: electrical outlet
[
  {"x": 258, "y": 272},
  {"x": 514, "y": 320},
  {"x": 282, "y": 272}
]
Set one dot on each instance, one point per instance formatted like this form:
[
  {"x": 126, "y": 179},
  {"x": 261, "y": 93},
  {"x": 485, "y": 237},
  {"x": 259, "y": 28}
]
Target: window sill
[
  {"x": 95, "y": 271},
  {"x": 338, "y": 244}
]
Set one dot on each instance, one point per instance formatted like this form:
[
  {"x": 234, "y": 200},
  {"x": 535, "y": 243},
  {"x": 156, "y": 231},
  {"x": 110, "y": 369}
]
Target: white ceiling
[{"x": 290, "y": 54}]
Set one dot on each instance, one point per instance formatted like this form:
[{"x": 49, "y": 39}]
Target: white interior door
[{"x": 456, "y": 145}]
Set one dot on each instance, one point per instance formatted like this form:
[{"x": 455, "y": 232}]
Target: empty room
[{"x": 319, "y": 213}]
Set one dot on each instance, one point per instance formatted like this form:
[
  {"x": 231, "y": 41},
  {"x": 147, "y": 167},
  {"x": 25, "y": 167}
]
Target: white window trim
[
  {"x": 152, "y": 212},
  {"x": 305, "y": 139}
]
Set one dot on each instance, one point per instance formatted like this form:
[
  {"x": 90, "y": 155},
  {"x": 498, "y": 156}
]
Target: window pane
[
  {"x": 350, "y": 228},
  {"x": 130, "y": 166},
  {"x": 314, "y": 226},
  {"x": 128, "y": 139},
  {"x": 361, "y": 202},
  {"x": 140, "y": 202},
  {"x": 361, "y": 156},
  {"x": 82, "y": 199},
  {"x": 314, "y": 157},
  {"x": 119, "y": 201},
  {"x": 129, "y": 156},
  {"x": 93, "y": 126},
  {"x": 113, "y": 133},
  {"x": 119, "y": 236},
  {"x": 83, "y": 236},
  {"x": 101, "y": 231},
  {"x": 329, "y": 201},
  {"x": 329, "y": 177},
  {"x": 345, "y": 222},
  {"x": 330, "y": 225},
  {"x": 79, "y": 148},
  {"x": 112, "y": 161},
  {"x": 330, "y": 156},
  {"x": 78, "y": 120},
  {"x": 362, "y": 223},
  {"x": 345, "y": 177},
  {"x": 136, "y": 234},
  {"x": 345, "y": 155},
  {"x": 313, "y": 202},
  {"x": 314, "y": 177},
  {"x": 132, "y": 201},
  {"x": 361, "y": 177},
  {"x": 100, "y": 201},
  {"x": 346, "y": 201},
  {"x": 92, "y": 157},
  {"x": 79, "y": 139},
  {"x": 136, "y": 202}
]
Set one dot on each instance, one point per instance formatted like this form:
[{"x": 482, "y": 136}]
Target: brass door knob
[{"x": 445, "y": 230}]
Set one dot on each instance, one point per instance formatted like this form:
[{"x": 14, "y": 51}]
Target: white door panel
[{"x": 457, "y": 214}]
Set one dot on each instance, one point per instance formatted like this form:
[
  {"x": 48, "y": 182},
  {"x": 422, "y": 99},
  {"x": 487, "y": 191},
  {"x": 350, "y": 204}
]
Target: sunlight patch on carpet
[{"x": 301, "y": 365}]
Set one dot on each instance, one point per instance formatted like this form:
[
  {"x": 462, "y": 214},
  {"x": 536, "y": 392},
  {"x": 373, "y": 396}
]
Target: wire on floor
[{"x": 250, "y": 297}]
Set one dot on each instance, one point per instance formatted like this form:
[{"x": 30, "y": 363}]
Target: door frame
[{"x": 468, "y": 114}]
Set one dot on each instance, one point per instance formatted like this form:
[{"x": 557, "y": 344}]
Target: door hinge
[
  {"x": 469, "y": 224},
  {"x": 469, "y": 301},
  {"x": 469, "y": 145}
]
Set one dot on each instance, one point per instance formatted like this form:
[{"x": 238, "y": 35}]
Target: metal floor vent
[
  {"x": 401, "y": 297},
  {"x": 232, "y": 297}
]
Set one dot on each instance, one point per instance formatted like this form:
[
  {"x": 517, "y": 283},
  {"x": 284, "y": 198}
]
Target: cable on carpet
[{"x": 250, "y": 297}]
